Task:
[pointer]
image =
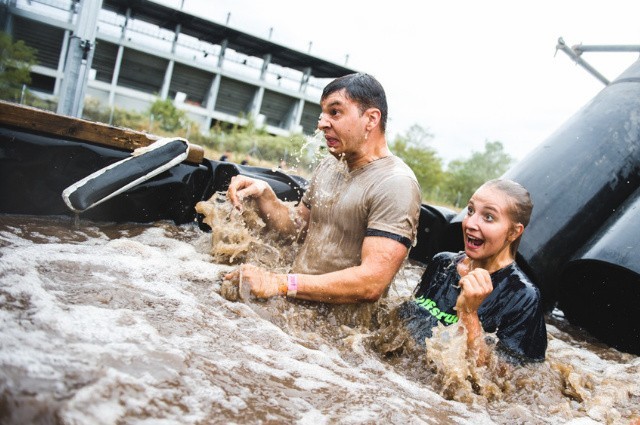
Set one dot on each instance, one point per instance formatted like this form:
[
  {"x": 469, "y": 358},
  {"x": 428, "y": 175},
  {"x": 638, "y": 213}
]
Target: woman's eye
[
  {"x": 488, "y": 217},
  {"x": 469, "y": 211}
]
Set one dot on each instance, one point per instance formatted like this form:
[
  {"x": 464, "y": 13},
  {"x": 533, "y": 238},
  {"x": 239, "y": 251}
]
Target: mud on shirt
[
  {"x": 513, "y": 310},
  {"x": 382, "y": 198}
]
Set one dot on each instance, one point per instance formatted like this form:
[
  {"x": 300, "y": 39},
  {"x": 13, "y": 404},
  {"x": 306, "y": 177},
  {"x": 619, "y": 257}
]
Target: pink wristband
[{"x": 292, "y": 285}]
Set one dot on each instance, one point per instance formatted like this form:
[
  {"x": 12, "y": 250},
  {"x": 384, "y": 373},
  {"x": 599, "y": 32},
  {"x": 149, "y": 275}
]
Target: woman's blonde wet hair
[{"x": 520, "y": 204}]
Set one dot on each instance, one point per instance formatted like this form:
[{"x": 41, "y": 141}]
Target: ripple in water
[{"x": 110, "y": 323}]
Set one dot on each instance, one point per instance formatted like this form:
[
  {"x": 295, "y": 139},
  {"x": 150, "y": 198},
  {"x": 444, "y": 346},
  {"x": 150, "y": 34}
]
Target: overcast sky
[{"x": 468, "y": 70}]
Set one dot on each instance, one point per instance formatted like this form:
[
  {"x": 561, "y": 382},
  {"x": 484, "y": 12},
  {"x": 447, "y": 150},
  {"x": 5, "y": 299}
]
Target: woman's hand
[{"x": 475, "y": 286}]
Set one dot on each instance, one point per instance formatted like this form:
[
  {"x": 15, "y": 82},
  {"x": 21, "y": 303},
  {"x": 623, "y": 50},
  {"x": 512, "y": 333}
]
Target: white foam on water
[{"x": 125, "y": 325}]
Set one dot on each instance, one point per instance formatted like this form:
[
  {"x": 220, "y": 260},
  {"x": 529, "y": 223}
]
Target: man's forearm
[
  {"x": 381, "y": 259},
  {"x": 279, "y": 216},
  {"x": 350, "y": 285}
]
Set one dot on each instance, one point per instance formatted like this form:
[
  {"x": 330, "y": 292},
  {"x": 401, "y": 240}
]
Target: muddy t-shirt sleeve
[
  {"x": 395, "y": 209},
  {"x": 522, "y": 332},
  {"x": 514, "y": 312}
]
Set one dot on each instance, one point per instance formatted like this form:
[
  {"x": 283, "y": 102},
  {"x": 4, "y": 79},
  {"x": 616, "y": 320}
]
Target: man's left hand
[{"x": 254, "y": 280}]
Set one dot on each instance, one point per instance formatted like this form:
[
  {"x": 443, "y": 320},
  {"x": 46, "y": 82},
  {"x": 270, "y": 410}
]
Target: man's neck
[{"x": 371, "y": 151}]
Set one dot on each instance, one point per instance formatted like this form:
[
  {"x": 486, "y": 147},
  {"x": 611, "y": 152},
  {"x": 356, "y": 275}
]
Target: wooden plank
[{"x": 41, "y": 121}]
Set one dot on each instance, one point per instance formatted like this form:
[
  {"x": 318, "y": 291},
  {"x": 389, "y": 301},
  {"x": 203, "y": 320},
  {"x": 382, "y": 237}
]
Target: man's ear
[{"x": 373, "y": 118}]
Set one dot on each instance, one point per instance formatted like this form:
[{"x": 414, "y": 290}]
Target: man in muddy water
[{"x": 358, "y": 218}]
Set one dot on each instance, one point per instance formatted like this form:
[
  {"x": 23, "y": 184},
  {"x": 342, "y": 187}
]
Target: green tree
[
  {"x": 167, "y": 115},
  {"x": 412, "y": 147},
  {"x": 16, "y": 60},
  {"x": 463, "y": 177}
]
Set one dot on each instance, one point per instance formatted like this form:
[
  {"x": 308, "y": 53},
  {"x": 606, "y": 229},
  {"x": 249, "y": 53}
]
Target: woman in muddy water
[{"x": 483, "y": 288}]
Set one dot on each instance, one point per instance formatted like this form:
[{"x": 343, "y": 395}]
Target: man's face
[{"x": 343, "y": 126}]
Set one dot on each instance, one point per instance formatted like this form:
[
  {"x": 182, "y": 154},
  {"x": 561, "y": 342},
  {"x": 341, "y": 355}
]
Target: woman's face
[{"x": 488, "y": 229}]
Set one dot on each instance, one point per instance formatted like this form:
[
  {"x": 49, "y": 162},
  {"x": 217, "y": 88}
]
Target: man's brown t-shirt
[{"x": 380, "y": 199}]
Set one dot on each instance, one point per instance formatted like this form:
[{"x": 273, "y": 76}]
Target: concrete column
[
  {"x": 115, "y": 76},
  {"x": 223, "y": 50},
  {"x": 166, "y": 84},
  {"x": 6, "y": 17},
  {"x": 61, "y": 61},
  {"x": 212, "y": 97},
  {"x": 256, "y": 104},
  {"x": 168, "y": 73},
  {"x": 63, "y": 54},
  {"x": 296, "y": 116},
  {"x": 305, "y": 80},
  {"x": 266, "y": 60}
]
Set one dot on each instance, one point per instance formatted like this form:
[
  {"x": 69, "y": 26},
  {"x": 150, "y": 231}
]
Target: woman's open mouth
[{"x": 474, "y": 242}]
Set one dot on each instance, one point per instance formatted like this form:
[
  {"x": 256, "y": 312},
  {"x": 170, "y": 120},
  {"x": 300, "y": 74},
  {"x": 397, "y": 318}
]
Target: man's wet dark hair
[{"x": 363, "y": 89}]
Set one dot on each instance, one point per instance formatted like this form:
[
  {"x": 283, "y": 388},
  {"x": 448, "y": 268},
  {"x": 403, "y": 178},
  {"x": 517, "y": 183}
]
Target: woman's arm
[{"x": 475, "y": 287}]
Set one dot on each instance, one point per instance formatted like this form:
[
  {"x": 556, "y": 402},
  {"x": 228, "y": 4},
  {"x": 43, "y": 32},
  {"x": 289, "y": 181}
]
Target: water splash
[
  {"x": 312, "y": 151},
  {"x": 243, "y": 237}
]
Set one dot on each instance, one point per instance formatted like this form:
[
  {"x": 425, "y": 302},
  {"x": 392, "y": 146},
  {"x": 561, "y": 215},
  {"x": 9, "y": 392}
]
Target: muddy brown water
[{"x": 104, "y": 323}]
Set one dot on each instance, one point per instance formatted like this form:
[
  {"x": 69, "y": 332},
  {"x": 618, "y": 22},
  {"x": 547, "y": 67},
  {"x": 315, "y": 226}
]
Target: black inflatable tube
[
  {"x": 433, "y": 223},
  {"x": 600, "y": 287},
  {"x": 287, "y": 187},
  {"x": 116, "y": 178}
]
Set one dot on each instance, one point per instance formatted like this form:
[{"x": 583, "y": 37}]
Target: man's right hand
[
  {"x": 242, "y": 187},
  {"x": 278, "y": 216}
]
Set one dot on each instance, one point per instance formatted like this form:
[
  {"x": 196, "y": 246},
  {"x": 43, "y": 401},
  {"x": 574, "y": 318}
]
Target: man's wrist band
[{"x": 292, "y": 285}]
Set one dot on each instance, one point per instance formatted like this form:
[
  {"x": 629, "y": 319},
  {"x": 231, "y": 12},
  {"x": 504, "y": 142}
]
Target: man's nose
[{"x": 322, "y": 122}]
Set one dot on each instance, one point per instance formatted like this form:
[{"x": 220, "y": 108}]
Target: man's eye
[{"x": 469, "y": 211}]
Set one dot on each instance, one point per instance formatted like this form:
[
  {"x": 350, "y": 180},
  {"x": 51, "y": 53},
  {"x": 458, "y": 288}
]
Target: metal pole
[
  {"x": 79, "y": 58},
  {"x": 577, "y": 59},
  {"x": 579, "y": 48}
]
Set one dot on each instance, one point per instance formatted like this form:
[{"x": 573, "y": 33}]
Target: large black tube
[
  {"x": 287, "y": 187},
  {"x": 434, "y": 221},
  {"x": 600, "y": 287},
  {"x": 580, "y": 175}
]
